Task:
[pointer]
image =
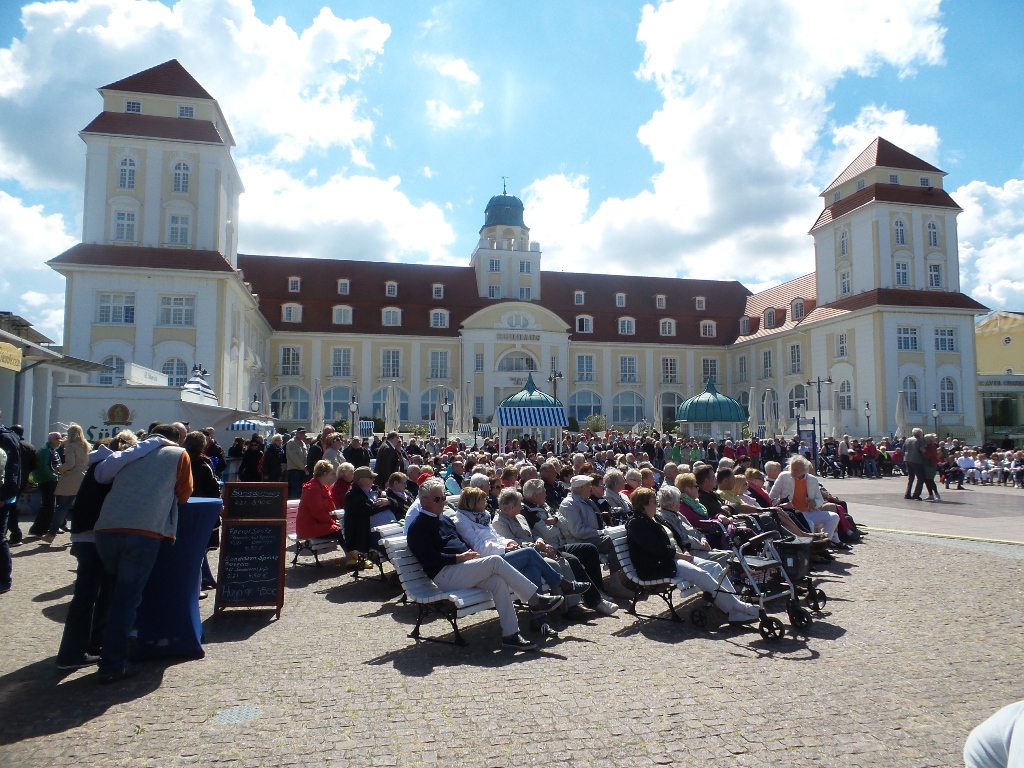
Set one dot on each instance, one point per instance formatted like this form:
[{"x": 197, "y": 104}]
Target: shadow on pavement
[
  {"x": 55, "y": 594},
  {"x": 38, "y": 700},
  {"x": 236, "y": 626}
]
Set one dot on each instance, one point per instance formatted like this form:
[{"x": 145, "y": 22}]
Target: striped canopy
[
  {"x": 197, "y": 383},
  {"x": 485, "y": 430},
  {"x": 250, "y": 425},
  {"x": 532, "y": 417},
  {"x": 366, "y": 429}
]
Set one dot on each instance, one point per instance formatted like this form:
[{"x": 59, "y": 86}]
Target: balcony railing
[
  {"x": 290, "y": 370},
  {"x": 585, "y": 376},
  {"x": 629, "y": 378}
]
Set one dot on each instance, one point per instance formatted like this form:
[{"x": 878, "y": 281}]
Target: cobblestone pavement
[{"x": 920, "y": 641}]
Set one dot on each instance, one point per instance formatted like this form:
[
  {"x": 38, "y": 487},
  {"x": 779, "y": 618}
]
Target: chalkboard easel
[
  {"x": 251, "y": 571},
  {"x": 252, "y": 501}
]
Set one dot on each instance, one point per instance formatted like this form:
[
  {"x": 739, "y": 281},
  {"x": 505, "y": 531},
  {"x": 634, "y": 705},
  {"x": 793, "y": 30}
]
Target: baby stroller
[{"x": 829, "y": 465}]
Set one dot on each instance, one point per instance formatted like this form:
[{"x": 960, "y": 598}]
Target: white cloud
[
  {"x": 850, "y": 140},
  {"x": 745, "y": 109},
  {"x": 991, "y": 234},
  {"x": 444, "y": 116},
  {"x": 458, "y": 70},
  {"x": 427, "y": 172}
]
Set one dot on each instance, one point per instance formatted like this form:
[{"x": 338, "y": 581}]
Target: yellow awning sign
[{"x": 10, "y": 356}]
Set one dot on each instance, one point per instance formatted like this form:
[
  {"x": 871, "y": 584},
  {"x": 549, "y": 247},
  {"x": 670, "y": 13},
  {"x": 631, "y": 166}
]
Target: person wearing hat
[
  {"x": 295, "y": 460},
  {"x": 583, "y": 524},
  {"x": 362, "y": 502}
]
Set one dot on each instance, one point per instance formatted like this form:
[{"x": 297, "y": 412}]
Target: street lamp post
[
  {"x": 818, "y": 381},
  {"x": 254, "y": 406},
  {"x": 353, "y": 408},
  {"x": 867, "y": 415},
  {"x": 935, "y": 416},
  {"x": 445, "y": 408},
  {"x": 553, "y": 378}
]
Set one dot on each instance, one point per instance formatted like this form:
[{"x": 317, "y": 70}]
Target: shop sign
[
  {"x": 10, "y": 356},
  {"x": 115, "y": 418}
]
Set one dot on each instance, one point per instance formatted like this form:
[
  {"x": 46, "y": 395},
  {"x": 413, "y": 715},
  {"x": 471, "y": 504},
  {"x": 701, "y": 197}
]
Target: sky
[{"x": 686, "y": 138}]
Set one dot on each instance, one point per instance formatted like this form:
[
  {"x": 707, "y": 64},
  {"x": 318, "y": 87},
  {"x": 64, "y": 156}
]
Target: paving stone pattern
[{"x": 919, "y": 643}]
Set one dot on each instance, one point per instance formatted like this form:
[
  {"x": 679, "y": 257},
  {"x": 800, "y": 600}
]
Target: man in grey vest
[
  {"x": 140, "y": 511},
  {"x": 915, "y": 463}
]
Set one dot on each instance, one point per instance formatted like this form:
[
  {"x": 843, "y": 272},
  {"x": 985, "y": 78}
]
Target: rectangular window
[
  {"x": 741, "y": 368},
  {"x": 668, "y": 327},
  {"x": 341, "y": 362},
  {"x": 934, "y": 275},
  {"x": 126, "y": 175},
  {"x": 343, "y": 315},
  {"x": 700, "y": 303},
  {"x": 620, "y": 299},
  {"x": 845, "y": 284},
  {"x": 578, "y": 298},
  {"x": 766, "y": 364},
  {"x": 495, "y": 265},
  {"x": 902, "y": 273},
  {"x": 669, "y": 370},
  {"x": 795, "y": 365},
  {"x": 439, "y": 363},
  {"x": 524, "y": 293},
  {"x": 627, "y": 369},
  {"x": 836, "y": 196},
  {"x": 709, "y": 369},
  {"x": 945, "y": 340},
  {"x": 925, "y": 181},
  {"x": 133, "y": 107},
  {"x": 894, "y": 178},
  {"x": 584, "y": 324},
  {"x": 390, "y": 363},
  {"x": 294, "y": 284},
  {"x": 478, "y": 406},
  {"x": 124, "y": 226},
  {"x": 659, "y": 302},
  {"x": 841, "y": 345},
  {"x": 554, "y": 363},
  {"x": 117, "y": 308},
  {"x": 177, "y": 310},
  {"x": 391, "y": 289},
  {"x": 584, "y": 367},
  {"x": 478, "y": 361},
  {"x": 494, "y": 291},
  {"x": 291, "y": 361},
  {"x": 438, "y": 319},
  {"x": 525, "y": 267},
  {"x": 392, "y": 317},
  {"x": 438, "y": 291},
  {"x": 861, "y": 183},
  {"x": 178, "y": 229},
  {"x": 906, "y": 338},
  {"x": 343, "y": 287},
  {"x": 626, "y": 326},
  {"x": 186, "y": 111}
]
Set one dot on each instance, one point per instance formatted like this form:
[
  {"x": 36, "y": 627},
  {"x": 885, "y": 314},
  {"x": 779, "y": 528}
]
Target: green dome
[
  {"x": 504, "y": 210},
  {"x": 529, "y": 397},
  {"x": 709, "y": 406}
]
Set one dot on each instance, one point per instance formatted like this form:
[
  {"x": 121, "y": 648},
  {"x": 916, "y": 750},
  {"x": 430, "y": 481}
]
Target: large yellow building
[
  {"x": 999, "y": 338},
  {"x": 157, "y": 281}
]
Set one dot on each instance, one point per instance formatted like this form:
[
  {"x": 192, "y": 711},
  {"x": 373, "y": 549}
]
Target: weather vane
[{"x": 504, "y": 191}]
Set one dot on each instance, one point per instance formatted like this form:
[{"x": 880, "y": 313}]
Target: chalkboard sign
[
  {"x": 251, "y": 569},
  {"x": 256, "y": 501}
]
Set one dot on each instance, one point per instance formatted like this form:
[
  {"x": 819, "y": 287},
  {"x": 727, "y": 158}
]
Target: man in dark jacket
[
  {"x": 356, "y": 455},
  {"x": 273, "y": 460},
  {"x": 10, "y": 485},
  {"x": 28, "y": 463},
  {"x": 389, "y": 459}
]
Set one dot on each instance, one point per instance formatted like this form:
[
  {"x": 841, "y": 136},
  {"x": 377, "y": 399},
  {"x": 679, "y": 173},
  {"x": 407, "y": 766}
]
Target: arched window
[
  {"x": 769, "y": 318},
  {"x": 336, "y": 400},
  {"x": 668, "y": 327},
  {"x": 291, "y": 313},
  {"x": 707, "y": 329},
  {"x": 391, "y": 316},
  {"x": 583, "y": 404},
  {"x": 181, "y": 172},
  {"x": 843, "y": 246},
  {"x": 584, "y": 324},
  {"x": 901, "y": 232},
  {"x": 797, "y": 397},
  {"x": 947, "y": 395},
  {"x": 911, "y": 389},
  {"x": 933, "y": 234},
  {"x": 670, "y": 402},
  {"x": 126, "y": 175},
  {"x": 627, "y": 408},
  {"x": 379, "y": 404},
  {"x": 439, "y": 318},
  {"x": 176, "y": 372},
  {"x": 109, "y": 377},
  {"x": 744, "y": 325},
  {"x": 798, "y": 309},
  {"x": 846, "y": 395},
  {"x": 431, "y": 402},
  {"x": 517, "y": 361},
  {"x": 290, "y": 403},
  {"x": 627, "y": 326}
]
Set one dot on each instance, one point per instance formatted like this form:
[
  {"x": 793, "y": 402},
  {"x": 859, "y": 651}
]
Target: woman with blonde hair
[{"x": 69, "y": 480}]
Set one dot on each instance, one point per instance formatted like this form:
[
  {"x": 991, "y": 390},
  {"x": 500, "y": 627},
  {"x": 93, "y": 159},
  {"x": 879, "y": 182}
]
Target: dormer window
[
  {"x": 925, "y": 181},
  {"x": 667, "y": 327},
  {"x": 344, "y": 286},
  {"x": 391, "y": 289},
  {"x": 342, "y": 315},
  {"x": 438, "y": 291},
  {"x": 291, "y": 313},
  {"x": 659, "y": 301},
  {"x": 769, "y": 318},
  {"x": 744, "y": 326},
  {"x": 439, "y": 318},
  {"x": 700, "y": 303},
  {"x": 578, "y": 298},
  {"x": 391, "y": 316},
  {"x": 186, "y": 111},
  {"x": 708, "y": 329},
  {"x": 294, "y": 284},
  {"x": 620, "y": 299},
  {"x": 133, "y": 107},
  {"x": 584, "y": 324},
  {"x": 798, "y": 309},
  {"x": 627, "y": 326},
  {"x": 894, "y": 178}
]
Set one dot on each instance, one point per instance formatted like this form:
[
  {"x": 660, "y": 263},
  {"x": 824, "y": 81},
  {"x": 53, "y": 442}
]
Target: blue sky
[{"x": 684, "y": 138}]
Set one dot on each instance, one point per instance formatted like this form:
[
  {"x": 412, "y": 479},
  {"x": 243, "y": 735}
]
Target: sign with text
[
  {"x": 10, "y": 356},
  {"x": 251, "y": 572},
  {"x": 256, "y": 501}
]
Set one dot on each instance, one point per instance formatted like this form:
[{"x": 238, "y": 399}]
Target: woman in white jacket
[{"x": 804, "y": 493}]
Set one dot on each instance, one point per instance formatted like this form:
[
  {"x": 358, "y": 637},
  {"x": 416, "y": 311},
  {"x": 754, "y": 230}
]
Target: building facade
[{"x": 157, "y": 281}]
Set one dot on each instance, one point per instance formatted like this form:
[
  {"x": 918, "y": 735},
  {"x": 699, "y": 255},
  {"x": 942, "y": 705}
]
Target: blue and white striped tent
[
  {"x": 197, "y": 383},
  {"x": 532, "y": 417},
  {"x": 366, "y": 429},
  {"x": 265, "y": 428},
  {"x": 485, "y": 430}
]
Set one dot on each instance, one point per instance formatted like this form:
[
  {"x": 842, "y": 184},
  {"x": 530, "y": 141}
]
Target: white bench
[
  {"x": 386, "y": 531},
  {"x": 666, "y": 589},
  {"x": 428, "y": 597},
  {"x": 314, "y": 547}
]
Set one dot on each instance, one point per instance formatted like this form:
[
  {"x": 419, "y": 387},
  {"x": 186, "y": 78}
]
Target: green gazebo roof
[
  {"x": 709, "y": 406},
  {"x": 531, "y": 397}
]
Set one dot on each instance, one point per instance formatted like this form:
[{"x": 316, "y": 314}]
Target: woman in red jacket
[
  {"x": 343, "y": 484},
  {"x": 316, "y": 517}
]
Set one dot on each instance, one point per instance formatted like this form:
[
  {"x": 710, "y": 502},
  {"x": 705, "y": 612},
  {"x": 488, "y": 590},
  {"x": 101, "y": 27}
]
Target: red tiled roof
[
  {"x": 886, "y": 193},
  {"x": 884, "y": 154},
  {"x": 167, "y": 79},
  {"x": 780, "y": 298},
  {"x": 903, "y": 297},
  {"x": 153, "y": 127},
  {"x": 140, "y": 257}
]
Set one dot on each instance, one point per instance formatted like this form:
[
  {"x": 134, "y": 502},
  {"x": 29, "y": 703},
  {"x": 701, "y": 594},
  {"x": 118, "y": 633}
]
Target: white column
[{"x": 152, "y": 208}]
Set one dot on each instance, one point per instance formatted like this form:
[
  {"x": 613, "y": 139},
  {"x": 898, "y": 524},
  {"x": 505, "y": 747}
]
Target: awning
[
  {"x": 485, "y": 430},
  {"x": 366, "y": 429},
  {"x": 532, "y": 417},
  {"x": 250, "y": 425}
]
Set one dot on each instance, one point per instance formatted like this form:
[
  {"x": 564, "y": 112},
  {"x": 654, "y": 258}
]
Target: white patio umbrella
[
  {"x": 752, "y": 411},
  {"x": 391, "y": 410},
  {"x": 902, "y": 427},
  {"x": 264, "y": 399},
  {"x": 837, "y": 415},
  {"x": 771, "y": 422},
  {"x": 316, "y": 405}
]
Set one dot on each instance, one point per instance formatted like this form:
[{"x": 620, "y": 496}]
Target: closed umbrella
[
  {"x": 752, "y": 414},
  {"x": 391, "y": 410},
  {"x": 837, "y": 415},
  {"x": 771, "y": 421},
  {"x": 902, "y": 427},
  {"x": 316, "y": 414},
  {"x": 264, "y": 398}
]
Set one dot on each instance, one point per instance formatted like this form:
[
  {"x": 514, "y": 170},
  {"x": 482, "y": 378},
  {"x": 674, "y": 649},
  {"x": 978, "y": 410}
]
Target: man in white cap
[{"x": 584, "y": 526}]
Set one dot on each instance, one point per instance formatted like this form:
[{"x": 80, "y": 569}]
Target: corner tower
[{"x": 507, "y": 263}]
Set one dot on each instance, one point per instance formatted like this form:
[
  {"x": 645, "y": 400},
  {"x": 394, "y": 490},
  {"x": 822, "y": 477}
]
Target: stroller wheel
[
  {"x": 800, "y": 618},
  {"x": 771, "y": 629},
  {"x": 816, "y": 599},
  {"x": 699, "y": 617}
]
